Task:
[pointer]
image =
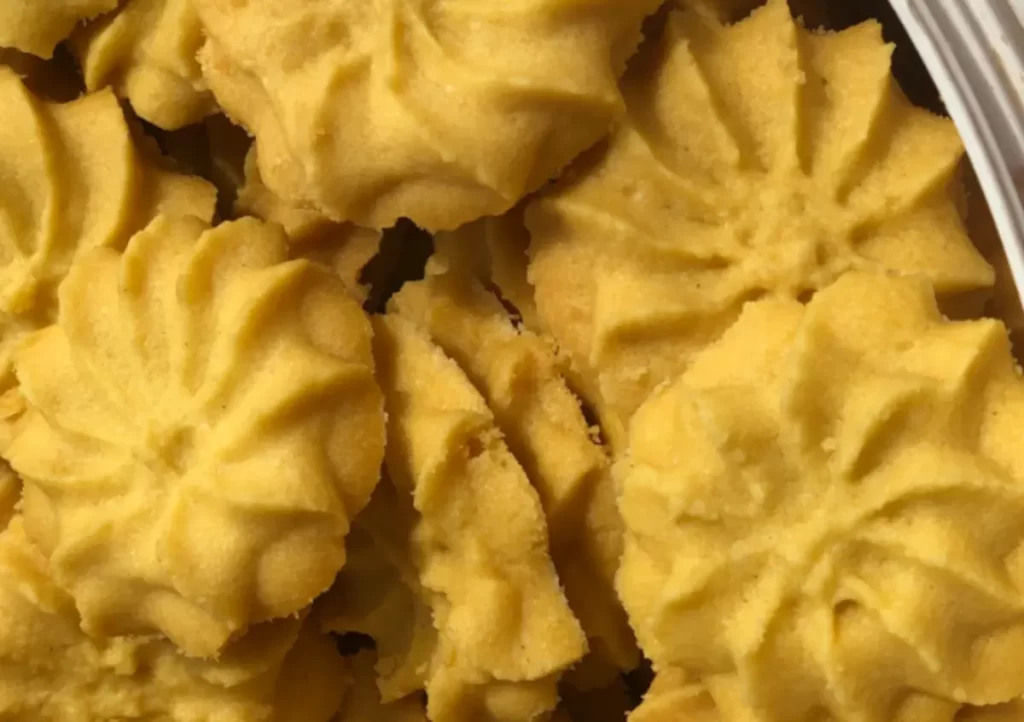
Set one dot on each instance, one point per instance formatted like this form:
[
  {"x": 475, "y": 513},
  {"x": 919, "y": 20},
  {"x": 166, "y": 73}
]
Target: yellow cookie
[
  {"x": 146, "y": 51},
  {"x": 50, "y": 671},
  {"x": 343, "y": 247},
  {"x": 36, "y": 26},
  {"x": 825, "y": 513},
  {"x": 479, "y": 540},
  {"x": 440, "y": 112},
  {"x": 756, "y": 159},
  {"x": 70, "y": 180},
  {"x": 202, "y": 425},
  {"x": 542, "y": 423}
]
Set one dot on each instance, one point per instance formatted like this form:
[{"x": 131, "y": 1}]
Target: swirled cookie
[
  {"x": 50, "y": 671},
  {"x": 440, "y": 111},
  {"x": 544, "y": 427},
  {"x": 70, "y": 180},
  {"x": 757, "y": 159},
  {"x": 202, "y": 424},
  {"x": 825, "y": 513},
  {"x": 36, "y": 26},
  {"x": 146, "y": 51},
  {"x": 479, "y": 541},
  {"x": 343, "y": 247}
]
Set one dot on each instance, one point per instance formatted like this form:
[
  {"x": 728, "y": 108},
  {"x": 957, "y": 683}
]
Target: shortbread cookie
[
  {"x": 50, "y": 671},
  {"x": 479, "y": 541},
  {"x": 544, "y": 427},
  {"x": 758, "y": 159},
  {"x": 825, "y": 513},
  {"x": 146, "y": 51},
  {"x": 441, "y": 112},
  {"x": 71, "y": 180},
  {"x": 202, "y": 424},
  {"x": 36, "y": 26},
  {"x": 343, "y": 247}
]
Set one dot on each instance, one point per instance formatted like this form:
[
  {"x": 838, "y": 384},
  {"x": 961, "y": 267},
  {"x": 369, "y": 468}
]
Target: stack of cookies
[{"x": 475, "y": 361}]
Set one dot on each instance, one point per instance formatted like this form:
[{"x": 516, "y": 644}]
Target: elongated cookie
[
  {"x": 440, "y": 112},
  {"x": 71, "y": 179},
  {"x": 479, "y": 540},
  {"x": 544, "y": 427},
  {"x": 756, "y": 159},
  {"x": 50, "y": 671},
  {"x": 825, "y": 513},
  {"x": 146, "y": 51},
  {"x": 202, "y": 424}
]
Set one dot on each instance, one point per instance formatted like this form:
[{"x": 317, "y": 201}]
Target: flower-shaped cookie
[
  {"x": 73, "y": 181},
  {"x": 825, "y": 513},
  {"x": 50, "y": 671},
  {"x": 544, "y": 427},
  {"x": 202, "y": 424},
  {"x": 756, "y": 159},
  {"x": 36, "y": 26},
  {"x": 478, "y": 540},
  {"x": 146, "y": 51},
  {"x": 441, "y": 111}
]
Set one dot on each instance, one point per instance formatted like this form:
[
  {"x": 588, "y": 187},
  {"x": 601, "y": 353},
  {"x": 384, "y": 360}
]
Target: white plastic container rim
[{"x": 974, "y": 50}]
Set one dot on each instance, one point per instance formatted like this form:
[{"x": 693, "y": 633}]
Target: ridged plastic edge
[{"x": 973, "y": 50}]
